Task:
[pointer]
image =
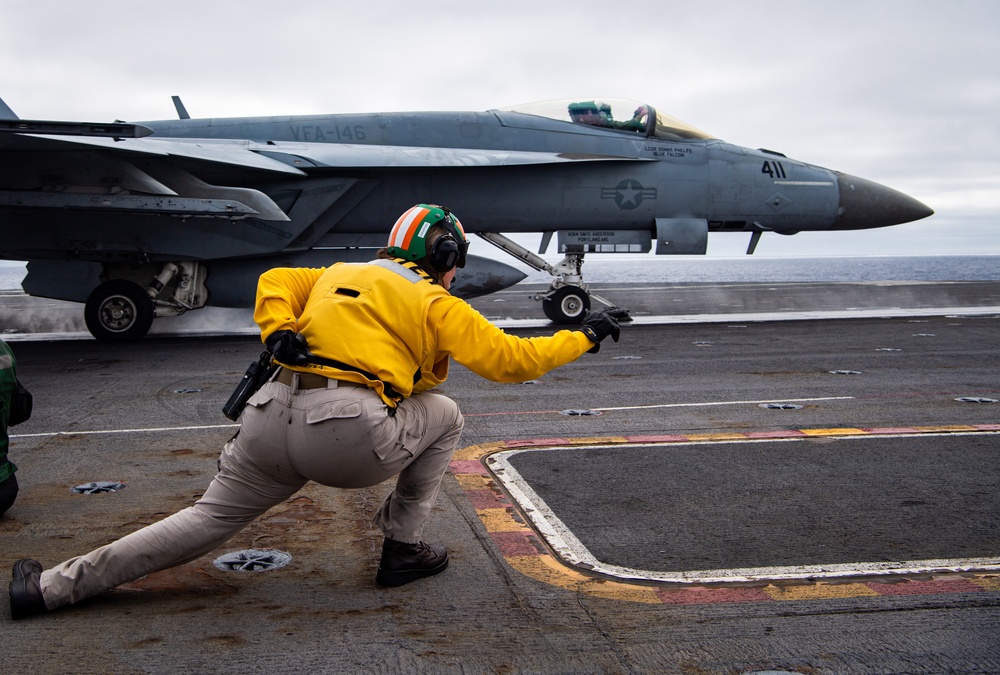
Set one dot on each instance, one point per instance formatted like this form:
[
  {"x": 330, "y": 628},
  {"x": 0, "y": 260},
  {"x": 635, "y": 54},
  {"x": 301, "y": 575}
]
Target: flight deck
[{"x": 806, "y": 493}]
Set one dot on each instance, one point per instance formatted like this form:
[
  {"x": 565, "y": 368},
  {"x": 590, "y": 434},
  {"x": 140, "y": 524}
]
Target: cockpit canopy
[{"x": 617, "y": 114}]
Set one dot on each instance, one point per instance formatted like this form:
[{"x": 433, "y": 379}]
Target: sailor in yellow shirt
[{"x": 360, "y": 348}]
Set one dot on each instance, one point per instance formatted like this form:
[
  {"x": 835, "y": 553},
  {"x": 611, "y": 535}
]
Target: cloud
[{"x": 903, "y": 92}]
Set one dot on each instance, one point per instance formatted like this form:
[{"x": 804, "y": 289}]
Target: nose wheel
[
  {"x": 566, "y": 301},
  {"x": 566, "y": 305}
]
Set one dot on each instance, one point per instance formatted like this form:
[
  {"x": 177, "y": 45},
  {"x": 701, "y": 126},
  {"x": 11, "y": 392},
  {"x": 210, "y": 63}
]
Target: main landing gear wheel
[
  {"x": 566, "y": 305},
  {"x": 119, "y": 311}
]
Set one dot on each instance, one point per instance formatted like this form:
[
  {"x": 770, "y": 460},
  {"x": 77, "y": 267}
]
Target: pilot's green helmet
[
  {"x": 408, "y": 238},
  {"x": 582, "y": 107},
  {"x": 590, "y": 108}
]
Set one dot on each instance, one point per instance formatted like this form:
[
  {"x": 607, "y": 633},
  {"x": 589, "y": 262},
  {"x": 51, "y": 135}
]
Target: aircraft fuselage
[{"x": 237, "y": 196}]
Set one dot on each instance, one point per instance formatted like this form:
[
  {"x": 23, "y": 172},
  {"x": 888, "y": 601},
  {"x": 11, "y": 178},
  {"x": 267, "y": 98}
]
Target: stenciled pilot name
[
  {"x": 588, "y": 237},
  {"x": 660, "y": 151}
]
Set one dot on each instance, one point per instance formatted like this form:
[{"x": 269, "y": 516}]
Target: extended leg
[{"x": 239, "y": 494}]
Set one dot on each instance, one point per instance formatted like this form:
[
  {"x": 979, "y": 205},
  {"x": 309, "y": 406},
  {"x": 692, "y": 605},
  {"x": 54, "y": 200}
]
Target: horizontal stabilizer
[
  {"x": 229, "y": 152},
  {"x": 100, "y": 129},
  {"x": 178, "y": 206}
]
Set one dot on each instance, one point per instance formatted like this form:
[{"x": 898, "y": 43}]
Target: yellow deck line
[{"x": 546, "y": 568}]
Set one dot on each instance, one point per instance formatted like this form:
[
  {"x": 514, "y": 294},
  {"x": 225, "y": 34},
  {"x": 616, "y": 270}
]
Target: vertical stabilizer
[
  {"x": 181, "y": 110},
  {"x": 6, "y": 113}
]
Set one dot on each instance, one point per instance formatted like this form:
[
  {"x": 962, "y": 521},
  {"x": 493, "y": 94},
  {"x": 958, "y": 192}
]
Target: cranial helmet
[{"x": 408, "y": 238}]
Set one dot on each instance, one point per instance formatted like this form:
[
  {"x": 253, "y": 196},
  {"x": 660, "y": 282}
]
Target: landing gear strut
[
  {"x": 122, "y": 309},
  {"x": 567, "y": 300}
]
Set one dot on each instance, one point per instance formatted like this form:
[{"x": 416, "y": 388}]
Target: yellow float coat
[{"x": 390, "y": 319}]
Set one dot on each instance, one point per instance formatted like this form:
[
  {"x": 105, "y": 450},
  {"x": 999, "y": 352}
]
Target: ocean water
[
  {"x": 11, "y": 275},
  {"x": 620, "y": 268},
  {"x": 694, "y": 269}
]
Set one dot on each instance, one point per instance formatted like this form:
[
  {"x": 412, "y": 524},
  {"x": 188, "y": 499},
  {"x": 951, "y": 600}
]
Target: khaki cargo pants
[{"x": 340, "y": 436}]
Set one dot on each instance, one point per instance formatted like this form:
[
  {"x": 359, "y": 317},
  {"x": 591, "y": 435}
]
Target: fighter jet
[{"x": 158, "y": 218}]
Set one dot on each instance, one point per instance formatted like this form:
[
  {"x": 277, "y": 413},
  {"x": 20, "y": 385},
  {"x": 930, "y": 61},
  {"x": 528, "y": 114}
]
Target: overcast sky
[{"x": 905, "y": 93}]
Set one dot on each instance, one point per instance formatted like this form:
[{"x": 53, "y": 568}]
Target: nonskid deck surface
[{"x": 755, "y": 448}]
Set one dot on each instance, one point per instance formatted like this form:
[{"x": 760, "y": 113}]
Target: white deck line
[
  {"x": 573, "y": 552},
  {"x": 638, "y": 320}
]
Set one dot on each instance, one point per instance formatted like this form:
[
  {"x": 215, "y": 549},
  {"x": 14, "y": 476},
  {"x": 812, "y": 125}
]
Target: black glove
[
  {"x": 602, "y": 323},
  {"x": 288, "y": 347}
]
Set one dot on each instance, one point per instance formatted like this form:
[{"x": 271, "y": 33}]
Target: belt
[{"x": 312, "y": 380}]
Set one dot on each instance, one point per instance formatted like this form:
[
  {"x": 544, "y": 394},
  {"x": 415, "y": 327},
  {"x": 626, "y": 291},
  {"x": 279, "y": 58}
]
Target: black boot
[
  {"x": 26, "y": 590},
  {"x": 402, "y": 563}
]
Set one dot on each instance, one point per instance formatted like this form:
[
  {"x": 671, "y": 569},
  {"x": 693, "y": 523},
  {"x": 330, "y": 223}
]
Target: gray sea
[
  {"x": 619, "y": 268},
  {"x": 746, "y": 269}
]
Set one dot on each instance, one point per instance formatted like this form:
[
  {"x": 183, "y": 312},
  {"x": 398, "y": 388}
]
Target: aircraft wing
[
  {"x": 183, "y": 168},
  {"x": 343, "y": 155},
  {"x": 106, "y": 173},
  {"x": 290, "y": 158},
  {"x": 234, "y": 153}
]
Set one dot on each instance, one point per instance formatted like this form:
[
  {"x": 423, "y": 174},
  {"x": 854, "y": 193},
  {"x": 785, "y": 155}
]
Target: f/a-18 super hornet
[{"x": 155, "y": 219}]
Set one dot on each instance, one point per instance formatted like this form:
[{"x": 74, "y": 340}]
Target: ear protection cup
[
  {"x": 456, "y": 235},
  {"x": 444, "y": 253},
  {"x": 408, "y": 238}
]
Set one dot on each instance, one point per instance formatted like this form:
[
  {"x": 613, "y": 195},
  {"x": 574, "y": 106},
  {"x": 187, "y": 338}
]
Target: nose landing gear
[
  {"x": 565, "y": 304},
  {"x": 567, "y": 299}
]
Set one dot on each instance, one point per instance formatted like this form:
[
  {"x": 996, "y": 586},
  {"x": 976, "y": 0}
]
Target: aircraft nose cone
[{"x": 865, "y": 204}]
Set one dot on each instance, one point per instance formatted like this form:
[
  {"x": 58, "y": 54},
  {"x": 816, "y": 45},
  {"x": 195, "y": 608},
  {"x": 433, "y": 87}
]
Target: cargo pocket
[
  {"x": 399, "y": 450},
  {"x": 332, "y": 410},
  {"x": 267, "y": 393},
  {"x": 259, "y": 399}
]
